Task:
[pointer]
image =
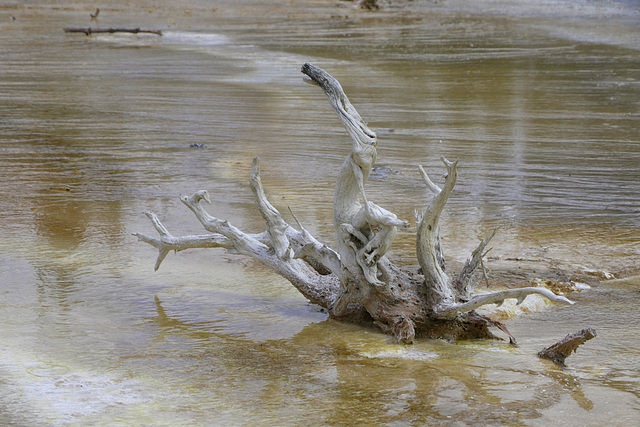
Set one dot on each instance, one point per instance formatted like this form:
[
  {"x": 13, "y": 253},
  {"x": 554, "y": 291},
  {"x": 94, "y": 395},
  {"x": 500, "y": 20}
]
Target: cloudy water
[{"x": 539, "y": 104}]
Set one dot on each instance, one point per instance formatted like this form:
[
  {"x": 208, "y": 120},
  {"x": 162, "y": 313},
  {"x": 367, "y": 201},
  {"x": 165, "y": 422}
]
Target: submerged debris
[
  {"x": 559, "y": 351},
  {"x": 379, "y": 172},
  {"x": 369, "y": 4}
]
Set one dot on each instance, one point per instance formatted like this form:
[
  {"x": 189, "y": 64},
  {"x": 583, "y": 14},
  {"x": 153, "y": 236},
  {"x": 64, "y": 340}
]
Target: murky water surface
[{"x": 539, "y": 103}]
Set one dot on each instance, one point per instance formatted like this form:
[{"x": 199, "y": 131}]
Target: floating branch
[
  {"x": 88, "y": 31},
  {"x": 569, "y": 344}
]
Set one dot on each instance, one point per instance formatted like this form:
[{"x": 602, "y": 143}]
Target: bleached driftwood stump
[{"x": 356, "y": 282}]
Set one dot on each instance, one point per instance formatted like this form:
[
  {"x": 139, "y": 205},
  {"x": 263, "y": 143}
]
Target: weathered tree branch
[
  {"x": 361, "y": 248},
  {"x": 241, "y": 242},
  {"x": 168, "y": 243},
  {"x": 428, "y": 247},
  {"x": 559, "y": 351},
  {"x": 324, "y": 259},
  {"x": 276, "y": 227},
  {"x": 293, "y": 261},
  {"x": 451, "y": 310},
  {"x": 451, "y": 298},
  {"x": 360, "y": 133},
  {"x": 463, "y": 284},
  {"x": 308, "y": 247}
]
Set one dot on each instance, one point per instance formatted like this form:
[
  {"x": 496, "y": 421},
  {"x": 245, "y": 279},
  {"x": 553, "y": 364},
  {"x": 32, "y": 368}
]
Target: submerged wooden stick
[
  {"x": 88, "y": 31},
  {"x": 569, "y": 344}
]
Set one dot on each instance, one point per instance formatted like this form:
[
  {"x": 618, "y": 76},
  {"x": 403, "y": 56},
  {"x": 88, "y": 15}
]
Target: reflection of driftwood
[
  {"x": 89, "y": 31},
  {"x": 563, "y": 348}
]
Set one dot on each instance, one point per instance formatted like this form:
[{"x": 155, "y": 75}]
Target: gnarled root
[{"x": 357, "y": 282}]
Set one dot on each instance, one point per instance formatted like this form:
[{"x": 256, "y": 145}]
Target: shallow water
[{"x": 539, "y": 105}]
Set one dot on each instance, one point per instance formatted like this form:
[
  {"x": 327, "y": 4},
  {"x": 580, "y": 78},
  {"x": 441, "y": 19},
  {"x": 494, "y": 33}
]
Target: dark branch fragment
[
  {"x": 88, "y": 30},
  {"x": 563, "y": 348}
]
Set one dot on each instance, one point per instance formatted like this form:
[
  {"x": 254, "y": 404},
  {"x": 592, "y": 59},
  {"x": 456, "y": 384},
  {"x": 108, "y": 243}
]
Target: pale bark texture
[{"x": 356, "y": 282}]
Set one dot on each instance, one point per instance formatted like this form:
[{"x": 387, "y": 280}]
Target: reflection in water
[
  {"x": 94, "y": 130},
  {"x": 329, "y": 381}
]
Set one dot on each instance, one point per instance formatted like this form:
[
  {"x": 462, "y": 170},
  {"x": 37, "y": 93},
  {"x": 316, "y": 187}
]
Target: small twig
[
  {"x": 484, "y": 271},
  {"x": 95, "y": 14},
  {"x": 430, "y": 185},
  {"x": 88, "y": 31},
  {"x": 463, "y": 283},
  {"x": 296, "y": 219}
]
